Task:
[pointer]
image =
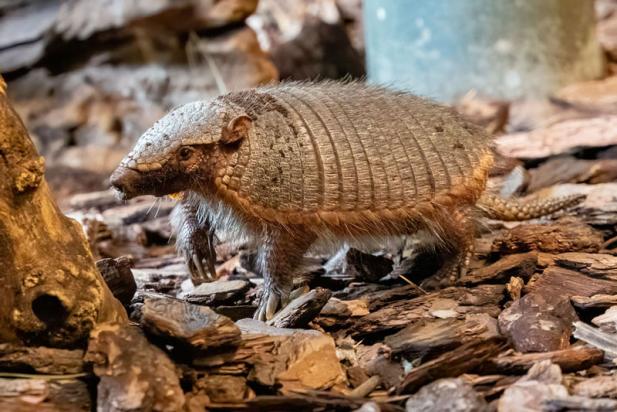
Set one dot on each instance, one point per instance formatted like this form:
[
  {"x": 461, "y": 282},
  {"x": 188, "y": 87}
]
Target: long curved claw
[
  {"x": 272, "y": 305},
  {"x": 211, "y": 258},
  {"x": 198, "y": 264}
]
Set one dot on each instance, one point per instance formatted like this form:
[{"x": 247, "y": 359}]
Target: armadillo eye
[{"x": 185, "y": 153}]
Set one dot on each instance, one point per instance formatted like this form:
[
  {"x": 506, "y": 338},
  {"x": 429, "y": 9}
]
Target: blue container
[{"x": 501, "y": 48}]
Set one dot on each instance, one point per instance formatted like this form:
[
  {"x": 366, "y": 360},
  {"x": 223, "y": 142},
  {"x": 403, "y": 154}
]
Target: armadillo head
[{"x": 181, "y": 150}]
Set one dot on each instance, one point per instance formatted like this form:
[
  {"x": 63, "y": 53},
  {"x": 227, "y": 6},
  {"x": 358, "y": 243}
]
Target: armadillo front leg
[
  {"x": 278, "y": 258},
  {"x": 194, "y": 240}
]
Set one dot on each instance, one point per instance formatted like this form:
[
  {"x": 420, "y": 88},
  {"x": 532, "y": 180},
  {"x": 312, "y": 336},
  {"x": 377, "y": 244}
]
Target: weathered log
[
  {"x": 53, "y": 293},
  {"x": 135, "y": 375}
]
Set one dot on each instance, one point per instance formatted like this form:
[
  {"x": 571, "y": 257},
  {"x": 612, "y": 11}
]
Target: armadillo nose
[{"x": 123, "y": 180}]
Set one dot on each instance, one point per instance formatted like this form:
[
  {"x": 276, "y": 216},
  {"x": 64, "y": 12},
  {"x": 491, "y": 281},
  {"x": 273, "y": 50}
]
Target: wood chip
[
  {"x": 437, "y": 335},
  {"x": 40, "y": 359},
  {"x": 453, "y": 363},
  {"x": 560, "y": 138},
  {"x": 188, "y": 325},
  {"x": 538, "y": 322},
  {"x": 542, "y": 383},
  {"x": 561, "y": 237},
  {"x": 217, "y": 292},
  {"x": 135, "y": 375},
  {"x": 452, "y": 394},
  {"x": 569, "y": 360},
  {"x": 302, "y": 310}
]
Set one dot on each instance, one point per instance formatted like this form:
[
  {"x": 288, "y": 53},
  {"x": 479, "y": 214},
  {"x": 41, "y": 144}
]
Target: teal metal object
[{"x": 500, "y": 48}]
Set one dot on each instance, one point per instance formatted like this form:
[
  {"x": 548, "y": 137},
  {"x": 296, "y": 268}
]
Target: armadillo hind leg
[
  {"x": 498, "y": 208},
  {"x": 455, "y": 253},
  {"x": 194, "y": 241},
  {"x": 278, "y": 258}
]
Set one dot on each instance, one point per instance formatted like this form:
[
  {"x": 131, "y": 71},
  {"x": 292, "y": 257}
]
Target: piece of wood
[
  {"x": 188, "y": 325},
  {"x": 567, "y": 283},
  {"x": 594, "y": 301},
  {"x": 580, "y": 404},
  {"x": 560, "y": 237},
  {"x": 606, "y": 342},
  {"x": 572, "y": 170},
  {"x": 523, "y": 265},
  {"x": 451, "y": 364},
  {"x": 538, "y": 322},
  {"x": 447, "y": 303},
  {"x": 291, "y": 358},
  {"x": 597, "y": 265},
  {"x": 601, "y": 386},
  {"x": 436, "y": 335},
  {"x": 134, "y": 375},
  {"x": 541, "y": 383},
  {"x": 569, "y": 360},
  {"x": 52, "y": 292},
  {"x": 451, "y": 394},
  {"x": 43, "y": 395},
  {"x": 40, "y": 359},
  {"x": 560, "y": 138},
  {"x": 607, "y": 321},
  {"x": 302, "y": 310},
  {"x": 118, "y": 277},
  {"x": 217, "y": 292}
]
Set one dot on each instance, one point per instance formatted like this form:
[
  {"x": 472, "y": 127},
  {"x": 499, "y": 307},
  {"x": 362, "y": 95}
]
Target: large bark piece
[{"x": 52, "y": 292}]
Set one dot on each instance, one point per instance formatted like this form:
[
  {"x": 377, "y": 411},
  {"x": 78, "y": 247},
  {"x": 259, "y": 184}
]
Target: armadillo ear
[{"x": 237, "y": 129}]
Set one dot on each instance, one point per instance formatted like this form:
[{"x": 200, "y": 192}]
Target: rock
[
  {"x": 451, "y": 394},
  {"x": 187, "y": 325},
  {"x": 538, "y": 322}
]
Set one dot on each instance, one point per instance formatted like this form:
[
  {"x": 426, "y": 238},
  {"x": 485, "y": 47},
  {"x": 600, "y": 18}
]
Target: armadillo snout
[{"x": 124, "y": 181}]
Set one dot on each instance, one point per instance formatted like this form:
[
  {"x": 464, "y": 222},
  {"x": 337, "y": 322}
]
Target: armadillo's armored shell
[
  {"x": 331, "y": 147},
  {"x": 193, "y": 123}
]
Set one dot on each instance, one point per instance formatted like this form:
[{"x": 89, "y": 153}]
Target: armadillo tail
[{"x": 498, "y": 208}]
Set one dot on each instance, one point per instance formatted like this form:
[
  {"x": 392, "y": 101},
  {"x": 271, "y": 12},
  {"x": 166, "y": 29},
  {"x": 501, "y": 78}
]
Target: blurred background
[{"x": 89, "y": 76}]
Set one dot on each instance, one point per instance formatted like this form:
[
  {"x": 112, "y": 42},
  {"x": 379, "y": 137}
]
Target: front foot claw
[
  {"x": 197, "y": 271},
  {"x": 270, "y": 303}
]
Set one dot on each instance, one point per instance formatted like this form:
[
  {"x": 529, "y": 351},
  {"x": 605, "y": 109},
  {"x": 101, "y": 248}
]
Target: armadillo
[{"x": 295, "y": 164}]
